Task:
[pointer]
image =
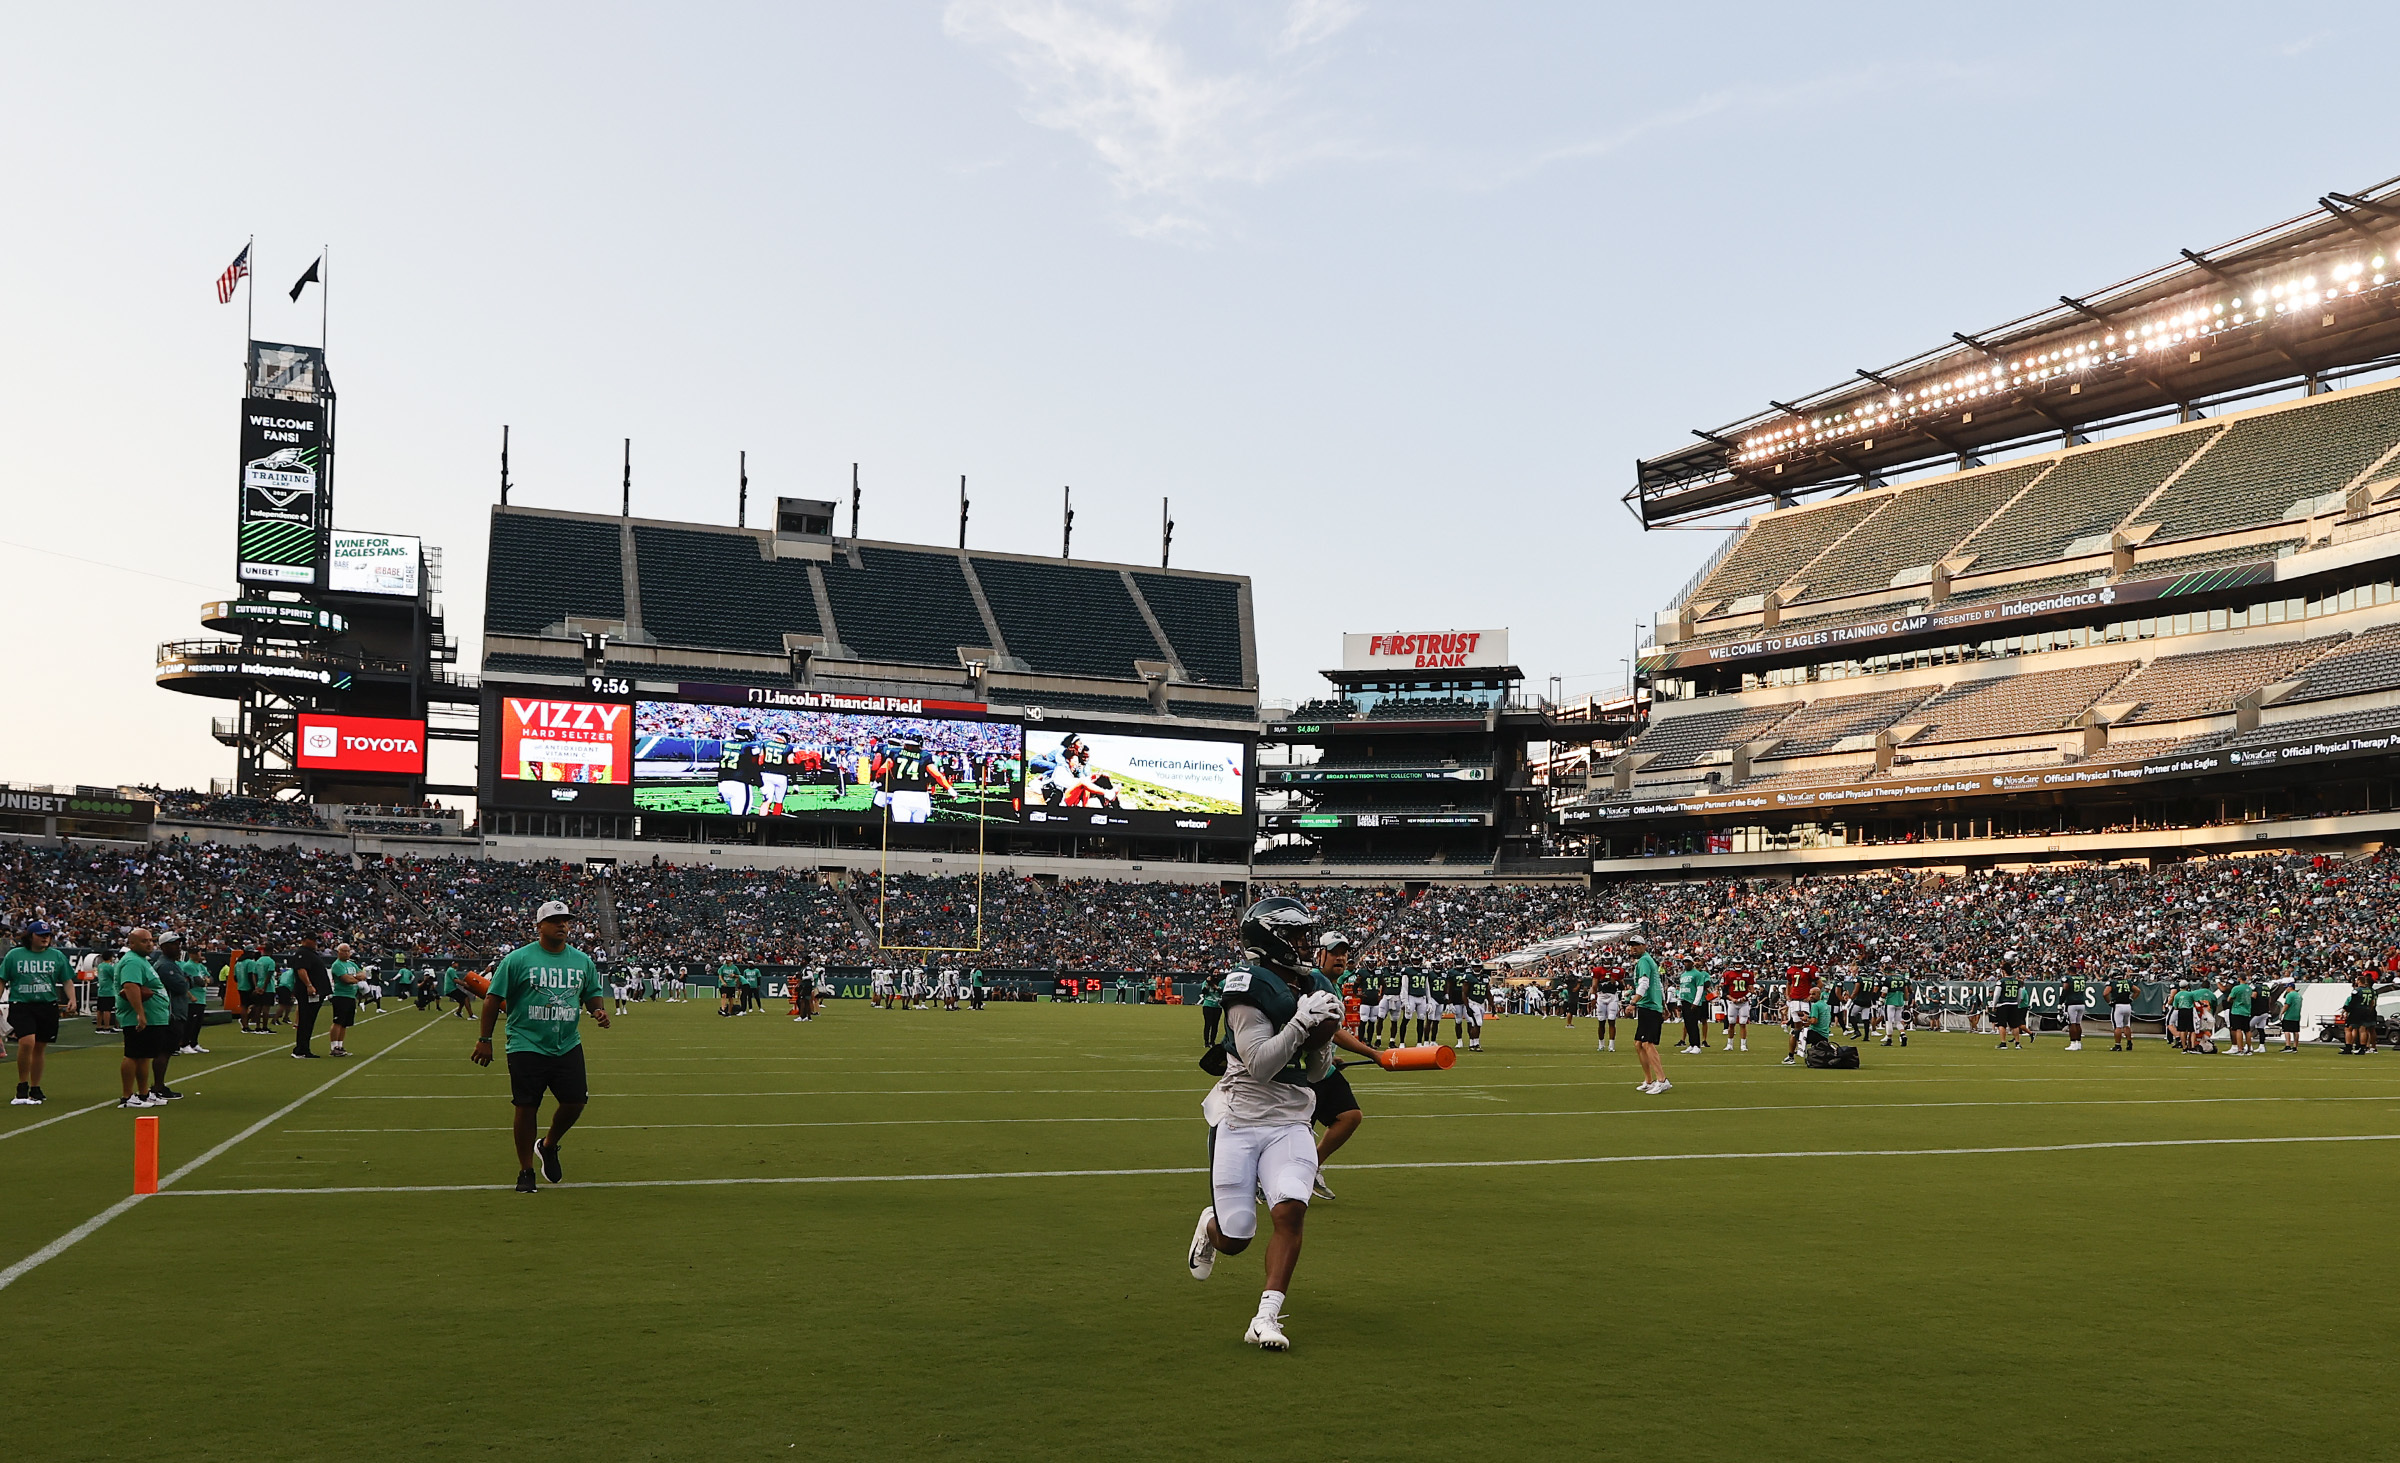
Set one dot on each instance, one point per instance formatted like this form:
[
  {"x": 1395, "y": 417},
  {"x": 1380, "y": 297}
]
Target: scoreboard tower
[{"x": 333, "y": 652}]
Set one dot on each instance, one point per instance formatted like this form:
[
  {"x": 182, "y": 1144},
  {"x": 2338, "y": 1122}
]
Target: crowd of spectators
[
  {"x": 2314, "y": 918},
  {"x": 201, "y": 807}
]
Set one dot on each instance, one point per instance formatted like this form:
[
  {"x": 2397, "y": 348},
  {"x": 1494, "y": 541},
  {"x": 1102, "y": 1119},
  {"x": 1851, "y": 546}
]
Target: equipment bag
[{"x": 1825, "y": 1055}]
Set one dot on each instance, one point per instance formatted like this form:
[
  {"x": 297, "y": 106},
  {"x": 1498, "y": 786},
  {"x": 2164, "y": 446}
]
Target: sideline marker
[{"x": 145, "y": 1155}]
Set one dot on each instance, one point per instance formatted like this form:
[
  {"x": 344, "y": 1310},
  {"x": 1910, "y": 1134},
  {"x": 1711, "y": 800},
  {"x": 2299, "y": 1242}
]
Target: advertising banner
[
  {"x": 1315, "y": 776},
  {"x": 1425, "y": 650},
  {"x": 373, "y": 563},
  {"x": 586, "y": 742},
  {"x": 1877, "y": 633},
  {"x": 281, "y": 502},
  {"x": 1276, "y": 821},
  {"x": 1093, "y": 779},
  {"x": 361, "y": 744},
  {"x": 776, "y": 761}
]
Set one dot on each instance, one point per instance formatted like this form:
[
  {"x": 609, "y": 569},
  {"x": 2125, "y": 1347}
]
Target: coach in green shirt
[
  {"x": 36, "y": 978},
  {"x": 544, "y": 987},
  {"x": 1692, "y": 994},
  {"x": 1649, "y": 1014},
  {"x": 104, "y": 1007},
  {"x": 142, "y": 1013}
]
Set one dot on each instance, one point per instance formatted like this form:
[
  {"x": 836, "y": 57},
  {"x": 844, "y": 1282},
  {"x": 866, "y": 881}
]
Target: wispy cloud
[
  {"x": 1167, "y": 131},
  {"x": 1802, "y": 96}
]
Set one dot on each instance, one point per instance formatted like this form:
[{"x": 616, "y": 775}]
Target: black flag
[{"x": 312, "y": 277}]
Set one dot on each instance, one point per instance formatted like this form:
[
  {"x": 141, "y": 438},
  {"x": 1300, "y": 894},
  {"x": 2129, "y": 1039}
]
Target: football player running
[{"x": 1281, "y": 1015}]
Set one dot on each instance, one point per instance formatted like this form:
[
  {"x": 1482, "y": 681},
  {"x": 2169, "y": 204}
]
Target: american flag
[{"x": 234, "y": 274}]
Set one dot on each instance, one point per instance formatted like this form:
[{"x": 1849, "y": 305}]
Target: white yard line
[
  {"x": 67, "y": 1241},
  {"x": 112, "y": 1102},
  {"x": 1086, "y": 1173},
  {"x": 1599, "y": 1112}
]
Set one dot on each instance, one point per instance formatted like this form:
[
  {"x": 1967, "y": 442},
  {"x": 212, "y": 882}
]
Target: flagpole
[
  {"x": 324, "y": 291},
  {"x": 249, "y": 309}
]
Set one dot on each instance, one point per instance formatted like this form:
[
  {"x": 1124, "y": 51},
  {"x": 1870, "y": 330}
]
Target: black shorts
[
  {"x": 530, "y": 1074},
  {"x": 2009, "y": 1017},
  {"x": 37, "y": 1019},
  {"x": 1334, "y": 1097},
  {"x": 155, "y": 1040},
  {"x": 2183, "y": 1019},
  {"x": 345, "y": 1010},
  {"x": 1648, "y": 1024}
]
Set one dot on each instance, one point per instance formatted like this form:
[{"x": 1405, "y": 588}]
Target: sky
[{"x": 1388, "y": 298}]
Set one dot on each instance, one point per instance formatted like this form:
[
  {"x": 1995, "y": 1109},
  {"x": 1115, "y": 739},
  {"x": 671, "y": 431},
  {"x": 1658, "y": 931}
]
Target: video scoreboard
[{"x": 724, "y": 751}]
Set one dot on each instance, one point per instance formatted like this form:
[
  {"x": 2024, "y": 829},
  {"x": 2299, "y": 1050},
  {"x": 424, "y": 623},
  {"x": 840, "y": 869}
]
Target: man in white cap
[{"x": 545, "y": 987}]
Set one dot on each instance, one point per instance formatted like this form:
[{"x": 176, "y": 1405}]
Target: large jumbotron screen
[
  {"x": 777, "y": 762},
  {"x": 1139, "y": 784}
]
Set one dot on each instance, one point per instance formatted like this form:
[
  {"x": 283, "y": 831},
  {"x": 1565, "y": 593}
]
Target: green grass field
[{"x": 1527, "y": 1257}]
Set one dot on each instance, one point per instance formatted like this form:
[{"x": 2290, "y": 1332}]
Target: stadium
[{"x": 2041, "y": 684}]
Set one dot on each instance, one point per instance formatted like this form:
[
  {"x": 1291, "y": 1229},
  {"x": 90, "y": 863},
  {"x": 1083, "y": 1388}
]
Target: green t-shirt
[
  {"x": 449, "y": 979},
  {"x": 345, "y": 978},
  {"x": 283, "y": 978},
  {"x": 108, "y": 977},
  {"x": 2184, "y": 999},
  {"x": 1695, "y": 985},
  {"x": 1209, "y": 994},
  {"x": 2238, "y": 999},
  {"x": 137, "y": 980},
  {"x": 2291, "y": 1004},
  {"x": 1820, "y": 1016},
  {"x": 36, "y": 975},
  {"x": 1649, "y": 987},
  {"x": 544, "y": 996},
  {"x": 750, "y": 977},
  {"x": 727, "y": 975},
  {"x": 195, "y": 979},
  {"x": 245, "y": 974}
]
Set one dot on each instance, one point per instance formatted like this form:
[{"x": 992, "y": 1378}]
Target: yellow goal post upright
[{"x": 883, "y": 889}]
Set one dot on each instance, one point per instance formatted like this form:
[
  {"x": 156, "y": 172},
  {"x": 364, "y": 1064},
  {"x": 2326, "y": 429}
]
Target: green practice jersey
[
  {"x": 34, "y": 976},
  {"x": 544, "y": 995},
  {"x": 138, "y": 982},
  {"x": 1649, "y": 987}
]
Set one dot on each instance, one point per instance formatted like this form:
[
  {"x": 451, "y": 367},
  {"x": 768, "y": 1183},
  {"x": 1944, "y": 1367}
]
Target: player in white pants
[
  {"x": 1608, "y": 1007},
  {"x": 1281, "y": 1019}
]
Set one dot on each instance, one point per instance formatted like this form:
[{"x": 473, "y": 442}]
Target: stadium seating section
[
  {"x": 1834, "y": 719},
  {"x": 1770, "y": 553},
  {"x": 1681, "y": 741},
  {"x": 2177, "y": 687},
  {"x": 2264, "y": 465},
  {"x": 713, "y": 589},
  {"x": 1203, "y": 617},
  {"x": 2088, "y": 493},
  {"x": 545, "y": 569},
  {"x": 2016, "y": 705},
  {"x": 1912, "y": 530},
  {"x": 904, "y": 605},
  {"x": 2364, "y": 663},
  {"x": 1067, "y": 619}
]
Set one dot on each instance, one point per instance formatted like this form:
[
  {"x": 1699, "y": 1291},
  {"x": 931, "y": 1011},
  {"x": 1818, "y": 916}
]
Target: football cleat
[
  {"x": 1266, "y": 1333},
  {"x": 1202, "y": 1257}
]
